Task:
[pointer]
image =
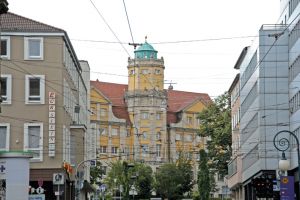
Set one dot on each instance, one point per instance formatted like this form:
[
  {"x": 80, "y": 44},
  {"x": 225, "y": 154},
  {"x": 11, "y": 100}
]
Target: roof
[
  {"x": 146, "y": 47},
  {"x": 146, "y": 51},
  {"x": 11, "y": 22},
  {"x": 115, "y": 93},
  {"x": 177, "y": 100}
]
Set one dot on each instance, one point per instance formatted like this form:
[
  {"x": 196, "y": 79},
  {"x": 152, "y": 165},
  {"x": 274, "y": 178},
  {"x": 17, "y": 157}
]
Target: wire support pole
[{"x": 282, "y": 144}]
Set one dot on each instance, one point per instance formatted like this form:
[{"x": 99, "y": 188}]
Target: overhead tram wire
[{"x": 119, "y": 41}]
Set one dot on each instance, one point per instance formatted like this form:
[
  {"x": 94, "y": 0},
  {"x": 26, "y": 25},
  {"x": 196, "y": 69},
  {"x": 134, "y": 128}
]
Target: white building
[{"x": 270, "y": 98}]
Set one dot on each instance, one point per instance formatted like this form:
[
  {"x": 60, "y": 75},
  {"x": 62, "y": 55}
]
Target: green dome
[{"x": 146, "y": 51}]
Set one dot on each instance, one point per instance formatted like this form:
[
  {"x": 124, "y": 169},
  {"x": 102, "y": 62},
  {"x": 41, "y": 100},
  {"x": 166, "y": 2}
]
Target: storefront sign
[{"x": 287, "y": 188}]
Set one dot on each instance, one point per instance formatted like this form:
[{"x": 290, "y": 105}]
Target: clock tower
[{"x": 146, "y": 100}]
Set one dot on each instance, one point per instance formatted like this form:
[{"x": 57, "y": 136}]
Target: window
[
  {"x": 35, "y": 89},
  {"x": 5, "y": 47},
  {"x": 188, "y": 138},
  {"x": 33, "y": 140},
  {"x": 178, "y": 137},
  {"x": 33, "y": 48},
  {"x": 158, "y": 150},
  {"x": 103, "y": 112},
  {"x": 6, "y": 88},
  {"x": 158, "y": 116},
  {"x": 114, "y": 132},
  {"x": 131, "y": 72},
  {"x": 145, "y": 71},
  {"x": 145, "y": 150},
  {"x": 145, "y": 135},
  {"x": 158, "y": 136},
  {"x": 103, "y": 149},
  {"x": 189, "y": 120},
  {"x": 103, "y": 131},
  {"x": 145, "y": 115},
  {"x": 4, "y": 136},
  {"x": 157, "y": 71},
  {"x": 114, "y": 150}
]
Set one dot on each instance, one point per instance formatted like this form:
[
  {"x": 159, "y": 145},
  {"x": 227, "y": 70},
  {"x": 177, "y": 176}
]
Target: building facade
[
  {"x": 44, "y": 109},
  {"x": 269, "y": 103},
  {"x": 141, "y": 120}
]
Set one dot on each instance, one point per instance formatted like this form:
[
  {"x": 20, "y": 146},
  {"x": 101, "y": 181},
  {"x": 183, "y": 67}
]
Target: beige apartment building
[
  {"x": 234, "y": 179},
  {"x": 44, "y": 109}
]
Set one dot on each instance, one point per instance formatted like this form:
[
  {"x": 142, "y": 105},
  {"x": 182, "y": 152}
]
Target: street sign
[
  {"x": 58, "y": 179},
  {"x": 102, "y": 188}
]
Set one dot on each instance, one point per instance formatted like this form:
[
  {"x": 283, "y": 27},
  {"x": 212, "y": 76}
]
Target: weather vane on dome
[{"x": 146, "y": 38}]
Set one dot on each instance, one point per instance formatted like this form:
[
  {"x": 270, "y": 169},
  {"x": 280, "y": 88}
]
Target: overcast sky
[{"x": 199, "y": 40}]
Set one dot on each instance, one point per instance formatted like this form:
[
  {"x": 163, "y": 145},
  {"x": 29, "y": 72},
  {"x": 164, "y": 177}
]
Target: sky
[{"x": 199, "y": 40}]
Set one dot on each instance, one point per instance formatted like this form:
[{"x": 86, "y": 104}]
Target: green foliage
[
  {"x": 122, "y": 173},
  {"x": 185, "y": 169},
  {"x": 216, "y": 124},
  {"x": 144, "y": 181},
  {"x": 174, "y": 180},
  {"x": 96, "y": 173},
  {"x": 168, "y": 181},
  {"x": 204, "y": 186}
]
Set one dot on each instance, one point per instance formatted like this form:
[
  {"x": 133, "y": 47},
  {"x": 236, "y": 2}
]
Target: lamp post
[{"x": 282, "y": 144}]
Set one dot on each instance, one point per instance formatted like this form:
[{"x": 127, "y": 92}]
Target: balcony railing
[{"x": 232, "y": 167}]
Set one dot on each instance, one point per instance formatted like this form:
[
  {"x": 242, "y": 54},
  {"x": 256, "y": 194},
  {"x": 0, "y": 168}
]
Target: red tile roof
[
  {"x": 15, "y": 23},
  {"x": 113, "y": 91},
  {"x": 177, "y": 100}
]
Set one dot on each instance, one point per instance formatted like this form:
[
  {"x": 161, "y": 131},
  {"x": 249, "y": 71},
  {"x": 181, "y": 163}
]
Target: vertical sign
[
  {"x": 287, "y": 188},
  {"x": 51, "y": 124}
]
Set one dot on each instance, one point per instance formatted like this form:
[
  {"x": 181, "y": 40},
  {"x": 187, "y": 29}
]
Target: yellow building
[{"x": 142, "y": 121}]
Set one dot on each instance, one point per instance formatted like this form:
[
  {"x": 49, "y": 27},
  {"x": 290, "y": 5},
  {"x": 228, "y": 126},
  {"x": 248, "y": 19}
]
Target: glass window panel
[
  {"x": 3, "y": 86},
  {"x": 3, "y": 133},
  {"x": 34, "y": 87},
  {"x": 33, "y": 137},
  {"x": 4, "y": 47},
  {"x": 34, "y": 47}
]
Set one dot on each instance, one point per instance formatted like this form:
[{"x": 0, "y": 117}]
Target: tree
[
  {"x": 119, "y": 175},
  {"x": 216, "y": 125},
  {"x": 185, "y": 169},
  {"x": 144, "y": 179},
  {"x": 128, "y": 174},
  {"x": 203, "y": 177},
  {"x": 96, "y": 173},
  {"x": 168, "y": 181}
]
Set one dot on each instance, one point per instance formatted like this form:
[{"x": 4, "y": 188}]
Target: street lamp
[
  {"x": 284, "y": 164},
  {"x": 282, "y": 144}
]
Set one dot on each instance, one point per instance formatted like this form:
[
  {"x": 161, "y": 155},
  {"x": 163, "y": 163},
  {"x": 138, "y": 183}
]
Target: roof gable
[{"x": 179, "y": 100}]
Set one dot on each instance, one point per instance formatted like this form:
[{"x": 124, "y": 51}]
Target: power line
[{"x": 99, "y": 13}]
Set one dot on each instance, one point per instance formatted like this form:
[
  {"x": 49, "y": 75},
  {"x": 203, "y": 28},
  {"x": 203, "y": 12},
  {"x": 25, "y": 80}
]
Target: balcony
[{"x": 235, "y": 172}]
